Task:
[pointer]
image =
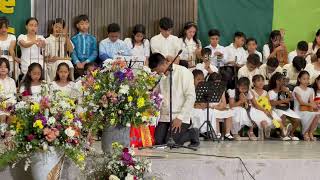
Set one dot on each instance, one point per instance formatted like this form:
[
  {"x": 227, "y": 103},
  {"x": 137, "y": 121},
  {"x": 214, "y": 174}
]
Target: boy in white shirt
[
  {"x": 206, "y": 67},
  {"x": 235, "y": 55},
  {"x": 270, "y": 68},
  {"x": 302, "y": 49},
  {"x": 251, "y": 68},
  {"x": 217, "y": 51},
  {"x": 165, "y": 43},
  {"x": 252, "y": 46}
]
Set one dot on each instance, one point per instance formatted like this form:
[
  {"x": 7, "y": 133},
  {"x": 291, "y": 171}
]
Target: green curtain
[
  {"x": 17, "y": 11},
  {"x": 253, "y": 17}
]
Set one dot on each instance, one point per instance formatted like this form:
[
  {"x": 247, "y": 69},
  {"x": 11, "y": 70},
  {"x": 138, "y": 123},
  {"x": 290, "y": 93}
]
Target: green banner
[
  {"x": 17, "y": 11},
  {"x": 253, "y": 17},
  {"x": 300, "y": 20}
]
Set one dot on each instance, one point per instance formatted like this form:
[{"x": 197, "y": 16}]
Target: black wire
[{"x": 218, "y": 156}]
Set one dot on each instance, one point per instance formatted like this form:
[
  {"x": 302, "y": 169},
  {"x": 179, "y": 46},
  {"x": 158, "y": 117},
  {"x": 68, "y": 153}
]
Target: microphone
[{"x": 130, "y": 62}]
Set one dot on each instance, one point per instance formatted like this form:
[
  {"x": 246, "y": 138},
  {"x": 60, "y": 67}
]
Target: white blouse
[
  {"x": 304, "y": 94},
  {"x": 8, "y": 89},
  {"x": 55, "y": 46},
  {"x": 5, "y": 45},
  {"x": 141, "y": 52},
  {"x": 189, "y": 47},
  {"x": 35, "y": 90},
  {"x": 31, "y": 54},
  {"x": 69, "y": 89}
]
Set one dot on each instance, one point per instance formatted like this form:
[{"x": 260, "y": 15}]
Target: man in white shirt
[
  {"x": 302, "y": 49},
  {"x": 235, "y": 55},
  {"x": 165, "y": 43},
  {"x": 252, "y": 46},
  {"x": 183, "y": 99},
  {"x": 217, "y": 51},
  {"x": 270, "y": 68},
  {"x": 251, "y": 68}
]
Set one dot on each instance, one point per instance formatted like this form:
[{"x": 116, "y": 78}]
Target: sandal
[
  {"x": 252, "y": 136},
  {"x": 312, "y": 138},
  {"x": 306, "y": 137},
  {"x": 237, "y": 137},
  {"x": 229, "y": 137}
]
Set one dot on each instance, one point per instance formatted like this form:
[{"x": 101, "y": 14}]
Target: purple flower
[
  {"x": 127, "y": 159},
  {"x": 42, "y": 118},
  {"x": 120, "y": 75},
  {"x": 30, "y": 137},
  {"x": 129, "y": 74},
  {"x": 157, "y": 99}
]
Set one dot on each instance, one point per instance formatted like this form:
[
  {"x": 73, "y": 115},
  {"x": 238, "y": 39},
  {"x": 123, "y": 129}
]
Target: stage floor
[{"x": 265, "y": 160}]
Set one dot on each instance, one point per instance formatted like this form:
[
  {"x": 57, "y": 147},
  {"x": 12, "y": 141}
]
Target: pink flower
[
  {"x": 44, "y": 103},
  {"x": 30, "y": 137},
  {"x": 50, "y": 133},
  {"x": 26, "y": 93}
]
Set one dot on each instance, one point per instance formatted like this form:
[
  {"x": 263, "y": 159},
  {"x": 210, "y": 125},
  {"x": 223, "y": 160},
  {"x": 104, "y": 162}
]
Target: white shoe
[
  {"x": 289, "y": 129},
  {"x": 293, "y": 138},
  {"x": 218, "y": 135},
  {"x": 286, "y": 138}
]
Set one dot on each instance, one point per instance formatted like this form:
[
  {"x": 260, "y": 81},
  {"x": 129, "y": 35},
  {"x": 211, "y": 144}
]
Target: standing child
[
  {"x": 32, "y": 45},
  {"x": 85, "y": 45},
  {"x": 31, "y": 84},
  {"x": 206, "y": 67},
  {"x": 7, "y": 88},
  {"x": 261, "y": 112},
  {"x": 221, "y": 112},
  {"x": 304, "y": 105},
  {"x": 239, "y": 100},
  {"x": 7, "y": 47},
  {"x": 58, "y": 48},
  {"x": 62, "y": 81},
  {"x": 280, "y": 98}
]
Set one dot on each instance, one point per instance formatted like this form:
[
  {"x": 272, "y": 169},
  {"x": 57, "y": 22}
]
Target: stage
[{"x": 265, "y": 160}]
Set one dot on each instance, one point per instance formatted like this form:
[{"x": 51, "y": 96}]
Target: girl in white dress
[
  {"x": 32, "y": 45},
  {"x": 139, "y": 45},
  {"x": 304, "y": 105},
  {"x": 262, "y": 117},
  {"x": 221, "y": 112},
  {"x": 239, "y": 100},
  {"x": 199, "y": 112},
  {"x": 7, "y": 88},
  {"x": 58, "y": 48},
  {"x": 280, "y": 98},
  {"x": 63, "y": 83},
  {"x": 7, "y": 47},
  {"x": 31, "y": 85}
]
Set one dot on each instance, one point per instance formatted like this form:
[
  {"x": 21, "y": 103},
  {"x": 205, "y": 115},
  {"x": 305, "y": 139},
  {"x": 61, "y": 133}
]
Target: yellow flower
[
  {"x": 35, "y": 107},
  {"x": 112, "y": 121},
  {"x": 96, "y": 87},
  {"x": 80, "y": 157},
  {"x": 94, "y": 73},
  {"x": 140, "y": 102},
  {"x": 116, "y": 145},
  {"x": 157, "y": 113},
  {"x": 38, "y": 124},
  {"x": 130, "y": 98},
  {"x": 18, "y": 127},
  {"x": 69, "y": 115},
  {"x": 71, "y": 102}
]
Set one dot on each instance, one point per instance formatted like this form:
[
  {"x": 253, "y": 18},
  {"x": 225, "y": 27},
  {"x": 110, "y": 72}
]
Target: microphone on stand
[{"x": 130, "y": 63}]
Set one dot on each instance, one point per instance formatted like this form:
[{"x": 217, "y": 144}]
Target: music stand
[{"x": 209, "y": 92}]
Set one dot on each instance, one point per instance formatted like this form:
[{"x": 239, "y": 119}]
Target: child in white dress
[
  {"x": 221, "y": 112},
  {"x": 239, "y": 100},
  {"x": 7, "y": 88},
  {"x": 199, "y": 112},
  {"x": 31, "y": 85},
  {"x": 63, "y": 83},
  {"x": 263, "y": 116},
  {"x": 59, "y": 48},
  {"x": 280, "y": 98},
  {"x": 32, "y": 45},
  {"x": 304, "y": 105}
]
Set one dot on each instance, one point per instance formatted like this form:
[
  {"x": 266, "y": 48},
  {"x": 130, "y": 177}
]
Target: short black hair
[
  {"x": 251, "y": 39},
  {"x": 81, "y": 17},
  {"x": 166, "y": 23},
  {"x": 4, "y": 21},
  {"x": 253, "y": 59},
  {"x": 299, "y": 63},
  {"x": 90, "y": 64},
  {"x": 214, "y": 32},
  {"x": 239, "y": 34},
  {"x": 213, "y": 77},
  {"x": 113, "y": 27},
  {"x": 6, "y": 61},
  {"x": 243, "y": 81},
  {"x": 205, "y": 51},
  {"x": 31, "y": 19},
  {"x": 156, "y": 59},
  {"x": 302, "y": 46},
  {"x": 273, "y": 62},
  {"x": 197, "y": 72},
  {"x": 257, "y": 77}
]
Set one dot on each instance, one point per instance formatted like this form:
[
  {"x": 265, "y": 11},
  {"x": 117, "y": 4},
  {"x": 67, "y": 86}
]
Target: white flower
[
  {"x": 107, "y": 63},
  {"x": 129, "y": 177},
  {"x": 138, "y": 114},
  {"x": 144, "y": 119},
  {"x": 3, "y": 127},
  {"x": 124, "y": 89},
  {"x": 13, "y": 132},
  {"x": 128, "y": 125},
  {"x": 21, "y": 104},
  {"x": 113, "y": 177},
  {"x": 69, "y": 132},
  {"x": 147, "y": 69},
  {"x": 27, "y": 164},
  {"x": 51, "y": 121},
  {"x": 45, "y": 146},
  {"x": 78, "y": 124},
  {"x": 137, "y": 167}
]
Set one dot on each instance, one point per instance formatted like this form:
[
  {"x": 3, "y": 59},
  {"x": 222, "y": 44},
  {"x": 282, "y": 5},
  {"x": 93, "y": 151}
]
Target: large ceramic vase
[
  {"x": 43, "y": 162},
  {"x": 120, "y": 134}
]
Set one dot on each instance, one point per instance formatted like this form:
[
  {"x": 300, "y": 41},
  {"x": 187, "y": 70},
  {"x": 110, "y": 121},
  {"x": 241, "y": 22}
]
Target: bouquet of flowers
[
  {"x": 121, "y": 164},
  {"x": 39, "y": 126},
  {"x": 120, "y": 96}
]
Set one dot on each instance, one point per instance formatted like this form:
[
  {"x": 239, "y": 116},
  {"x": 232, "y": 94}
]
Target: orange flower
[{"x": 50, "y": 133}]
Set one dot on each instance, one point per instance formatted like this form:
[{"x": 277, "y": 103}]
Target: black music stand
[{"x": 208, "y": 92}]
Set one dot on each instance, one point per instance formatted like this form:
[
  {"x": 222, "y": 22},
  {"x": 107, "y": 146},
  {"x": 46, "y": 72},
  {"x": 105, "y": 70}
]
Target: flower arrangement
[
  {"x": 119, "y": 96},
  {"x": 120, "y": 164},
  {"x": 39, "y": 126}
]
